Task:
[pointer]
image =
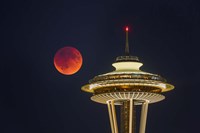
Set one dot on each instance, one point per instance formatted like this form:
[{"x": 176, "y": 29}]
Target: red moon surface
[{"x": 68, "y": 60}]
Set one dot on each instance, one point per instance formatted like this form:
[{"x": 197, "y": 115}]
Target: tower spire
[{"x": 127, "y": 45}]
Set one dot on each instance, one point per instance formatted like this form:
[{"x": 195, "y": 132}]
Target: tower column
[{"x": 128, "y": 118}]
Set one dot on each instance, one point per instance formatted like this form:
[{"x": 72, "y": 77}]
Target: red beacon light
[{"x": 126, "y": 28}]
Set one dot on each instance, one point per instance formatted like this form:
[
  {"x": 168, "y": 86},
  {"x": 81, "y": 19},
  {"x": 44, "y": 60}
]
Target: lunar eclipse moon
[{"x": 68, "y": 60}]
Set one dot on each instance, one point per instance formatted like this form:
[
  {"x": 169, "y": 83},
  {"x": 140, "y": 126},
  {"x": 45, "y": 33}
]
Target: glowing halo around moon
[{"x": 68, "y": 60}]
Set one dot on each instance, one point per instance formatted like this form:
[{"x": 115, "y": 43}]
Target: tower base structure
[{"x": 127, "y": 101}]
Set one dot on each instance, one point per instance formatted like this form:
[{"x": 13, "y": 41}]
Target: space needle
[{"x": 127, "y": 86}]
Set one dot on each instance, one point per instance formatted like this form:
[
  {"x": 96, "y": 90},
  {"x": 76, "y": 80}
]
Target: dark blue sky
[{"x": 35, "y": 98}]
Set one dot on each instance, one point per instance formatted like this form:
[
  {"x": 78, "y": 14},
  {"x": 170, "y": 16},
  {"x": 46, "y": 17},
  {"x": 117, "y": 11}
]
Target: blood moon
[{"x": 68, "y": 60}]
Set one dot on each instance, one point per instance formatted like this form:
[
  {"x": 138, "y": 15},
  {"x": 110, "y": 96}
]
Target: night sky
[{"x": 36, "y": 98}]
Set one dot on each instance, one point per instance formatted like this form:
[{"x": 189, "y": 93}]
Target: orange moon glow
[{"x": 68, "y": 60}]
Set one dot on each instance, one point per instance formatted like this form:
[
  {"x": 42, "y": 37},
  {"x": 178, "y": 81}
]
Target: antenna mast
[{"x": 127, "y": 45}]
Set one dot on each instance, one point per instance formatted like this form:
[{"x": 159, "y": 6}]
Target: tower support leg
[
  {"x": 128, "y": 116},
  {"x": 143, "y": 118},
  {"x": 112, "y": 116}
]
